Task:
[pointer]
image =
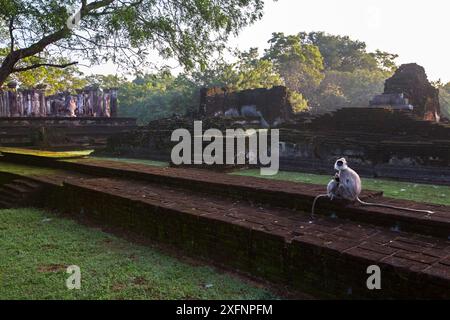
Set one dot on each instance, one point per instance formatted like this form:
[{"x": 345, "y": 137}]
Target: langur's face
[{"x": 341, "y": 164}]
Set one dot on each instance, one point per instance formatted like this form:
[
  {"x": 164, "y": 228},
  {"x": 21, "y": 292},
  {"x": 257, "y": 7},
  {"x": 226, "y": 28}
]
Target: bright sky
[{"x": 417, "y": 30}]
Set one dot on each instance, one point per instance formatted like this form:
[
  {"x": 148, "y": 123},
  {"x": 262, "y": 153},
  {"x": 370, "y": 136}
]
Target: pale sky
[{"x": 417, "y": 30}]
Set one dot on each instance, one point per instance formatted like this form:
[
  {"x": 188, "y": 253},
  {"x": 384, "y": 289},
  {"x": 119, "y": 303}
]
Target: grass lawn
[
  {"x": 47, "y": 154},
  {"x": 37, "y": 247},
  {"x": 25, "y": 170},
  {"x": 394, "y": 189}
]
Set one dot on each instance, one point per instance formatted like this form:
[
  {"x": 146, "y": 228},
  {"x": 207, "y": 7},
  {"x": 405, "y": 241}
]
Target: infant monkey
[{"x": 346, "y": 185}]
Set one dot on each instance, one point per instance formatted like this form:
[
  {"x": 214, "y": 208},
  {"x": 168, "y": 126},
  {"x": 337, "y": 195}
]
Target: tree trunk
[{"x": 7, "y": 67}]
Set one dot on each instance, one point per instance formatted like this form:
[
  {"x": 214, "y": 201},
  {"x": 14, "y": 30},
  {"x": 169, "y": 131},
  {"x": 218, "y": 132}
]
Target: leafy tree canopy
[
  {"x": 299, "y": 64},
  {"x": 344, "y": 54},
  {"x": 123, "y": 31}
]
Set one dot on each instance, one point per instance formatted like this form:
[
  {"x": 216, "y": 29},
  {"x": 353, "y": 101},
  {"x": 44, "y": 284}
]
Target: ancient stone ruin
[
  {"x": 271, "y": 106},
  {"x": 411, "y": 81},
  {"x": 396, "y": 131},
  {"x": 30, "y": 118},
  {"x": 89, "y": 102},
  {"x": 391, "y": 100}
]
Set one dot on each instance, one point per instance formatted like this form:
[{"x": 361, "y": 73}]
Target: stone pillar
[
  {"x": 98, "y": 110},
  {"x": 90, "y": 101},
  {"x": 2, "y": 104},
  {"x": 40, "y": 89},
  {"x": 113, "y": 101},
  {"x": 50, "y": 105},
  {"x": 27, "y": 107},
  {"x": 80, "y": 102},
  {"x": 106, "y": 103},
  {"x": 35, "y": 103},
  {"x": 21, "y": 101},
  {"x": 72, "y": 106},
  {"x": 12, "y": 99},
  {"x": 67, "y": 105}
]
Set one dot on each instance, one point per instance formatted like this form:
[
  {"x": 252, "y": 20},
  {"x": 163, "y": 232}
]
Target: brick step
[
  {"x": 19, "y": 192},
  {"x": 17, "y": 187},
  {"x": 286, "y": 194},
  {"x": 4, "y": 204},
  {"x": 27, "y": 183},
  {"x": 10, "y": 194},
  {"x": 325, "y": 256}
]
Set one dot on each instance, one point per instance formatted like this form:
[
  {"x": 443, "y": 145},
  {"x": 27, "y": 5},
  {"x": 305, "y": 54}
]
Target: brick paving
[{"x": 241, "y": 222}]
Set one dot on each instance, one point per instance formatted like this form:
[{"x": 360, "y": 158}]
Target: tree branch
[
  {"x": 37, "y": 65},
  {"x": 11, "y": 35},
  {"x": 56, "y": 36}
]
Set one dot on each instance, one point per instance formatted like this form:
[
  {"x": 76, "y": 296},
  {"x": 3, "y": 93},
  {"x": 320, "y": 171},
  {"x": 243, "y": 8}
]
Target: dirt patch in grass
[{"x": 52, "y": 268}]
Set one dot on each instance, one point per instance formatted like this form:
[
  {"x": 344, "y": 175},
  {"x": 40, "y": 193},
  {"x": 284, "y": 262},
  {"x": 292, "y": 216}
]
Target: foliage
[
  {"x": 341, "y": 53},
  {"x": 444, "y": 98},
  {"x": 251, "y": 72},
  {"x": 55, "y": 79},
  {"x": 324, "y": 72},
  {"x": 163, "y": 94},
  {"x": 298, "y": 102},
  {"x": 159, "y": 95},
  {"x": 300, "y": 65},
  {"x": 105, "y": 81},
  {"x": 125, "y": 32},
  {"x": 350, "y": 89}
]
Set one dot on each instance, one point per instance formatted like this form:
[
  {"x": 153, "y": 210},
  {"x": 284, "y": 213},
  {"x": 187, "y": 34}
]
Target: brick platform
[
  {"x": 325, "y": 257},
  {"x": 285, "y": 194},
  {"x": 262, "y": 228}
]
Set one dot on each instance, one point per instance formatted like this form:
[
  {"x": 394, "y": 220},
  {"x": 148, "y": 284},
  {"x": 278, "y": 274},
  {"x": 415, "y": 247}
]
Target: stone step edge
[
  {"x": 422, "y": 223},
  {"x": 288, "y": 251}
]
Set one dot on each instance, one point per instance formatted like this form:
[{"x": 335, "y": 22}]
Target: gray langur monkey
[
  {"x": 346, "y": 185},
  {"x": 332, "y": 189}
]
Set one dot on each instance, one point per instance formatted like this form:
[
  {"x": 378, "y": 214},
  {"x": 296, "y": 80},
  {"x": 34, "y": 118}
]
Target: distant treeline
[{"x": 324, "y": 71}]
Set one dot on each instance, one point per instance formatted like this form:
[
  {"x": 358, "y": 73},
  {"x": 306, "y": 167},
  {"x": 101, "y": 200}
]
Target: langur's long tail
[
  {"x": 315, "y": 200},
  {"x": 391, "y": 207}
]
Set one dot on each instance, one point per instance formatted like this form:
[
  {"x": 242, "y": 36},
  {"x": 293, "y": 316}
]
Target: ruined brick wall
[
  {"x": 378, "y": 142},
  {"x": 412, "y": 80},
  {"x": 272, "y": 103},
  {"x": 54, "y": 131}
]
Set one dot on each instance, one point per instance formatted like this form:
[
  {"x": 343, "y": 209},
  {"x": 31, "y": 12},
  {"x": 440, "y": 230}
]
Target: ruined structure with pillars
[
  {"x": 86, "y": 119},
  {"x": 88, "y": 102},
  {"x": 394, "y": 131}
]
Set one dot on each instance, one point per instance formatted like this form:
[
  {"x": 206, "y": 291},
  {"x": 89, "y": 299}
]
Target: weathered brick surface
[
  {"x": 285, "y": 194},
  {"x": 326, "y": 257}
]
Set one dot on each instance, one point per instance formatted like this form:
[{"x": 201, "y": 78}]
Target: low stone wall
[
  {"x": 52, "y": 131},
  {"x": 376, "y": 142},
  {"x": 273, "y": 104}
]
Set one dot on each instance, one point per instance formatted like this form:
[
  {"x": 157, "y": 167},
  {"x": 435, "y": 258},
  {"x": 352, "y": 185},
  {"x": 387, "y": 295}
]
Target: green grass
[
  {"x": 138, "y": 161},
  {"x": 394, "y": 189},
  {"x": 47, "y": 154},
  {"x": 37, "y": 247},
  {"x": 25, "y": 170}
]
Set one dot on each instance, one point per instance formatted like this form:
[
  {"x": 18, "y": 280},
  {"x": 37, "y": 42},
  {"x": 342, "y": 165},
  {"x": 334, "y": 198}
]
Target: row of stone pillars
[{"x": 88, "y": 102}]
